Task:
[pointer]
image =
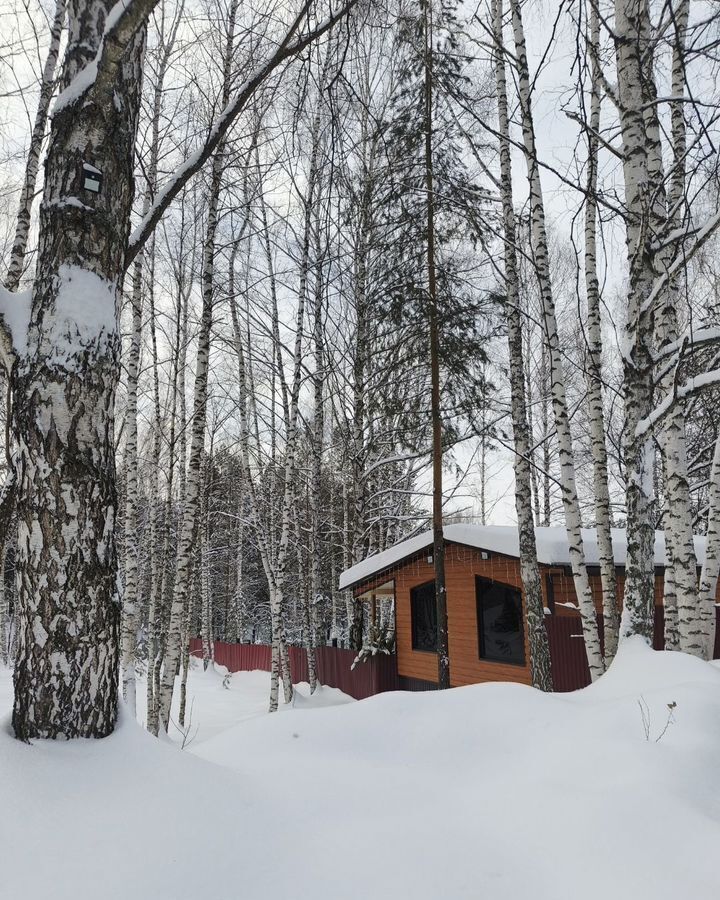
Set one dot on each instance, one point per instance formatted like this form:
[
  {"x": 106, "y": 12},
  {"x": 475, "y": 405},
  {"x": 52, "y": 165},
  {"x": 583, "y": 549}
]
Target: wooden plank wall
[{"x": 462, "y": 565}]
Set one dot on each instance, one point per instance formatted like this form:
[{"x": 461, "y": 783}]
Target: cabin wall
[
  {"x": 563, "y": 588},
  {"x": 462, "y": 565}
]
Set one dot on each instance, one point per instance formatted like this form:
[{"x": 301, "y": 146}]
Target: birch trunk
[
  {"x": 356, "y": 491},
  {"x": 185, "y": 656},
  {"x": 711, "y": 566},
  {"x": 206, "y": 625},
  {"x": 306, "y": 587},
  {"x": 692, "y": 615},
  {"x": 671, "y": 632},
  {"x": 130, "y": 596},
  {"x": 191, "y": 500},
  {"x": 272, "y": 562},
  {"x": 5, "y": 624},
  {"x": 611, "y": 618},
  {"x": 540, "y": 669},
  {"x": 178, "y": 610},
  {"x": 64, "y": 391},
  {"x": 239, "y": 593},
  {"x": 632, "y": 46},
  {"x": 559, "y": 403},
  {"x": 47, "y": 86},
  {"x": 527, "y": 387},
  {"x": 157, "y": 523}
]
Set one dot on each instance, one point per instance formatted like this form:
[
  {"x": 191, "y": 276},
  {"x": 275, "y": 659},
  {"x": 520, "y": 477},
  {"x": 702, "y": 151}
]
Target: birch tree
[
  {"x": 540, "y": 671},
  {"x": 130, "y": 595},
  {"x": 560, "y": 411},
  {"x": 594, "y": 341},
  {"x": 27, "y": 194},
  {"x": 65, "y": 368},
  {"x": 193, "y": 483}
]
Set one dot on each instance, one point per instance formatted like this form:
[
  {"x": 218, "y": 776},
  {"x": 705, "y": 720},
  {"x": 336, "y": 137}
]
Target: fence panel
[
  {"x": 567, "y": 650},
  {"x": 333, "y": 666}
]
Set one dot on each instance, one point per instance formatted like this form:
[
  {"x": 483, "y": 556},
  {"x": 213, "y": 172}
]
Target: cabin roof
[{"x": 552, "y": 548}]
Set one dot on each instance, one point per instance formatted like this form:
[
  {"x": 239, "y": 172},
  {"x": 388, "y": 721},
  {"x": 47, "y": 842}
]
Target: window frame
[
  {"x": 480, "y": 580},
  {"x": 417, "y": 587}
]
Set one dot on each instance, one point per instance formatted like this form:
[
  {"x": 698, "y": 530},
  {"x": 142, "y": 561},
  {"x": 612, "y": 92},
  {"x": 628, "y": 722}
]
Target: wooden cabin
[{"x": 487, "y": 640}]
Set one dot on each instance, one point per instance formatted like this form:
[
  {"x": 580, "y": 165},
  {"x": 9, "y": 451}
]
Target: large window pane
[
  {"x": 423, "y": 613},
  {"x": 500, "y": 622}
]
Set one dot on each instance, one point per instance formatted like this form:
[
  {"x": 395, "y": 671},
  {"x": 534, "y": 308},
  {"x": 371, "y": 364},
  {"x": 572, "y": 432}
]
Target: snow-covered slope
[
  {"x": 552, "y": 547},
  {"x": 490, "y": 791}
]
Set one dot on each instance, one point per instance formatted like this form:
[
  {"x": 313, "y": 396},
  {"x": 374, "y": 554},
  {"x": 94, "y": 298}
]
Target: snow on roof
[{"x": 552, "y": 548}]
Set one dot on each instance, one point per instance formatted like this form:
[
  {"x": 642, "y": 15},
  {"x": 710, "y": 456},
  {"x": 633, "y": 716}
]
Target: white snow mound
[{"x": 489, "y": 791}]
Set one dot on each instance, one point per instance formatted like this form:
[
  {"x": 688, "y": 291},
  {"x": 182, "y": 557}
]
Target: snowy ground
[
  {"x": 217, "y": 700},
  {"x": 490, "y": 791}
]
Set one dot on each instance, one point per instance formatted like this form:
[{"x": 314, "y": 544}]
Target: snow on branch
[
  {"x": 689, "y": 341},
  {"x": 680, "y": 261},
  {"x": 284, "y": 51},
  {"x": 691, "y": 386}
]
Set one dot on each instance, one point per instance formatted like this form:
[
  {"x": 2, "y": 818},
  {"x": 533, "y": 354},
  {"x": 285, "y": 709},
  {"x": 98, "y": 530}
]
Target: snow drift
[{"x": 493, "y": 791}]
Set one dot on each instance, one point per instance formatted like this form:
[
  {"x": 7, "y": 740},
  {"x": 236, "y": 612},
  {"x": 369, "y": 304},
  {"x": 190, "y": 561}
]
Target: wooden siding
[{"x": 462, "y": 565}]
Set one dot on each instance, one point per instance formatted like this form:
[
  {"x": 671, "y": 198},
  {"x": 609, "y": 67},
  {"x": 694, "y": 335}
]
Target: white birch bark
[
  {"x": 264, "y": 536},
  {"x": 178, "y": 610},
  {"x": 306, "y": 586},
  {"x": 559, "y": 403},
  {"x": 32, "y": 164},
  {"x": 611, "y": 618},
  {"x": 5, "y": 623},
  {"x": 632, "y": 37},
  {"x": 158, "y": 526},
  {"x": 540, "y": 670},
  {"x": 130, "y": 593},
  {"x": 711, "y": 565},
  {"x": 206, "y": 606},
  {"x": 129, "y": 625},
  {"x": 671, "y": 632},
  {"x": 692, "y": 615},
  {"x": 64, "y": 391}
]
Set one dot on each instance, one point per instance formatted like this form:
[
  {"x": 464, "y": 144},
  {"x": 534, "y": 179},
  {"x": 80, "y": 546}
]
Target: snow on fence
[
  {"x": 378, "y": 674},
  {"x": 333, "y": 666}
]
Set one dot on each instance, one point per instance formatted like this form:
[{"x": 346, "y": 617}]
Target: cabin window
[
  {"x": 423, "y": 614},
  {"x": 500, "y": 622}
]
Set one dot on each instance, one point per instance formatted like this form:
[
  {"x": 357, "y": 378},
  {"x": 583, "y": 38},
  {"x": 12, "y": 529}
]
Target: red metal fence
[
  {"x": 333, "y": 666},
  {"x": 567, "y": 651}
]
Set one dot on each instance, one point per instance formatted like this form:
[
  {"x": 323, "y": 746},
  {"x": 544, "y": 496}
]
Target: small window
[
  {"x": 500, "y": 622},
  {"x": 423, "y": 614}
]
